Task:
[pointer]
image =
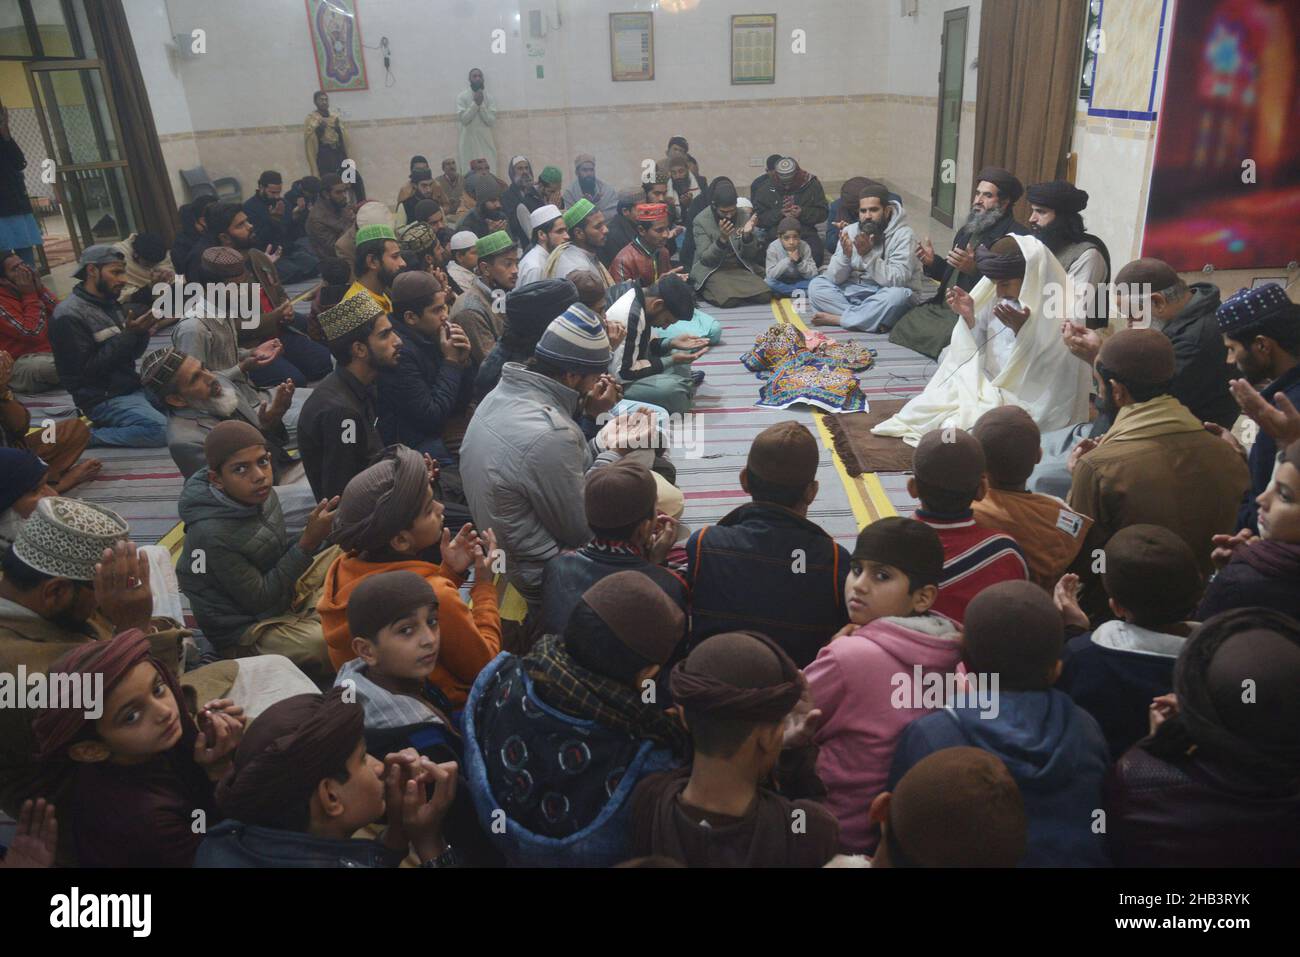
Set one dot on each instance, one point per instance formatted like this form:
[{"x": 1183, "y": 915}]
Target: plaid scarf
[{"x": 582, "y": 693}]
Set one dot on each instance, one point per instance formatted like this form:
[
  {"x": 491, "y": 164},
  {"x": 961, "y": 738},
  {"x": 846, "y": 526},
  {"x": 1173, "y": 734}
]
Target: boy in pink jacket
[{"x": 869, "y": 682}]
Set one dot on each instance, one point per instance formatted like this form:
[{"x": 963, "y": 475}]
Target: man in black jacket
[
  {"x": 95, "y": 349},
  {"x": 928, "y": 327},
  {"x": 277, "y": 224},
  {"x": 337, "y": 436},
  {"x": 433, "y": 379}
]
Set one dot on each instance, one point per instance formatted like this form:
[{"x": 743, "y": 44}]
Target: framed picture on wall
[
  {"x": 336, "y": 42},
  {"x": 753, "y": 49},
  {"x": 631, "y": 46}
]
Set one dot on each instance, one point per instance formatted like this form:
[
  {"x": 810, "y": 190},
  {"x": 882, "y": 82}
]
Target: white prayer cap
[
  {"x": 465, "y": 239},
  {"x": 543, "y": 215},
  {"x": 743, "y": 203}
]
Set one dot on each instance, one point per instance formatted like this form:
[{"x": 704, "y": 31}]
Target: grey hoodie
[{"x": 893, "y": 263}]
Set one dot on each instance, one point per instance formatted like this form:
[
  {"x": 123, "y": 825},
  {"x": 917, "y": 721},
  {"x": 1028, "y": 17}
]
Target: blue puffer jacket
[{"x": 534, "y": 768}]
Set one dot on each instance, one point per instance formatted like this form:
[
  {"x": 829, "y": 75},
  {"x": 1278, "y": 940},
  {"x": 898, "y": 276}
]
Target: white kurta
[
  {"x": 1037, "y": 373},
  {"x": 476, "y": 122},
  {"x": 533, "y": 266}
]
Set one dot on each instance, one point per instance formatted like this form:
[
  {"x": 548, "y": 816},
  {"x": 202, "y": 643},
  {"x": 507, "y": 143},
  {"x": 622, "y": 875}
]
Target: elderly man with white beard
[
  {"x": 197, "y": 400},
  {"x": 1006, "y": 348}
]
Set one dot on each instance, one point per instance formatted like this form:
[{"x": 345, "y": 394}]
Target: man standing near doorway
[{"x": 477, "y": 111}]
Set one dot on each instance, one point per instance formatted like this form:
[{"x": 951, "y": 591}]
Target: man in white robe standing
[
  {"x": 1007, "y": 350},
  {"x": 477, "y": 111}
]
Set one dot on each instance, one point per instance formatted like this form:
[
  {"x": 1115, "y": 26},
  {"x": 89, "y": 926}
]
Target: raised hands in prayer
[
  {"x": 36, "y": 838},
  {"x": 1279, "y": 420},
  {"x": 121, "y": 584}
]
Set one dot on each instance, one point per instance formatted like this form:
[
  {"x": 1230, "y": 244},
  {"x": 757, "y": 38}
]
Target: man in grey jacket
[
  {"x": 524, "y": 458},
  {"x": 874, "y": 276}
]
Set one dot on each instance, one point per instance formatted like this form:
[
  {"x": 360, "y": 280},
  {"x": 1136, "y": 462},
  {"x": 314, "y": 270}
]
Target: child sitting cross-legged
[
  {"x": 387, "y": 519},
  {"x": 737, "y": 692},
  {"x": 855, "y": 680},
  {"x": 145, "y": 769},
  {"x": 302, "y": 784}
]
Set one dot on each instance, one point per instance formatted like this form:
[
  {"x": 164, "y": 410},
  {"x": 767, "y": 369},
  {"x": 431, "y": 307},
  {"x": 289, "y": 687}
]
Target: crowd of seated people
[{"x": 432, "y": 518}]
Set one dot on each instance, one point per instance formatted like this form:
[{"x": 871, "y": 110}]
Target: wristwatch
[{"x": 448, "y": 858}]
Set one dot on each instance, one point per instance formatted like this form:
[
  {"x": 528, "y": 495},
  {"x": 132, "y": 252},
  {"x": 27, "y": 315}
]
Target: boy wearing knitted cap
[
  {"x": 1114, "y": 671},
  {"x": 558, "y": 739},
  {"x": 388, "y": 520},
  {"x": 143, "y": 767},
  {"x": 1053, "y": 748},
  {"x": 1047, "y": 530},
  {"x": 765, "y": 567},
  {"x": 858, "y": 682},
  {"x": 744, "y": 703},
  {"x": 242, "y": 574},
  {"x": 948, "y": 475}
]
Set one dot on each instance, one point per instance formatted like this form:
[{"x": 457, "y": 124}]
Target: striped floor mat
[{"x": 143, "y": 485}]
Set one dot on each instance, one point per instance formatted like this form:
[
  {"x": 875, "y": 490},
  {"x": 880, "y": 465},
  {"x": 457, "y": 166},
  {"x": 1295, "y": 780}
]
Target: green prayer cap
[
  {"x": 493, "y": 243},
  {"x": 376, "y": 231},
  {"x": 551, "y": 175},
  {"x": 578, "y": 212}
]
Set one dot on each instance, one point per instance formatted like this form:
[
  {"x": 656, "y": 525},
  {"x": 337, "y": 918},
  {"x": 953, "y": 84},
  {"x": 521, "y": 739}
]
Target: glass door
[
  {"x": 79, "y": 124},
  {"x": 952, "y": 71}
]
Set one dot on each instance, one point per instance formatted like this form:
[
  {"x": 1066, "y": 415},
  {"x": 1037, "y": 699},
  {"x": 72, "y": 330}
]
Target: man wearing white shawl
[{"x": 1004, "y": 353}]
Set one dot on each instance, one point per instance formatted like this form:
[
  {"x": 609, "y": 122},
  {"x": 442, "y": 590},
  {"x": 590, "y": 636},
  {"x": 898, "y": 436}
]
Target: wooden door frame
[{"x": 958, "y": 13}]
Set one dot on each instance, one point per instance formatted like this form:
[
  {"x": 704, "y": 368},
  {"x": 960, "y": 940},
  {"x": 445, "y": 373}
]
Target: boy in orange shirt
[{"x": 386, "y": 519}]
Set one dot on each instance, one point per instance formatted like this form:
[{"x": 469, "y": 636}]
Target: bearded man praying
[{"x": 1007, "y": 350}]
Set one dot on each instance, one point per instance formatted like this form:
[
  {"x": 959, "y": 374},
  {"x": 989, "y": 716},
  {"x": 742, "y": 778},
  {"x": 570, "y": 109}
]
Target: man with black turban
[
  {"x": 928, "y": 327},
  {"x": 1054, "y": 218}
]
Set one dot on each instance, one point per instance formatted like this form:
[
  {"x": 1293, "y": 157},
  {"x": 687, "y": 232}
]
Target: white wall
[
  {"x": 435, "y": 44},
  {"x": 168, "y": 97}
]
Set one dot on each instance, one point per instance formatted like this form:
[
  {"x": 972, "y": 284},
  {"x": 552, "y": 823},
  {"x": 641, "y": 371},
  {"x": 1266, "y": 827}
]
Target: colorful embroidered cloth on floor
[{"x": 807, "y": 367}]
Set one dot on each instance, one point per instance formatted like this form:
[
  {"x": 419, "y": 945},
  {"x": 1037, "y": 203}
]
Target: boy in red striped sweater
[{"x": 947, "y": 476}]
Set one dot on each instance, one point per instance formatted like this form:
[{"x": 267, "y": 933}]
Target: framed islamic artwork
[
  {"x": 631, "y": 46},
  {"x": 336, "y": 42},
  {"x": 1225, "y": 183},
  {"x": 753, "y": 49}
]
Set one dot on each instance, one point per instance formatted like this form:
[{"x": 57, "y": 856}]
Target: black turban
[{"x": 1060, "y": 195}]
